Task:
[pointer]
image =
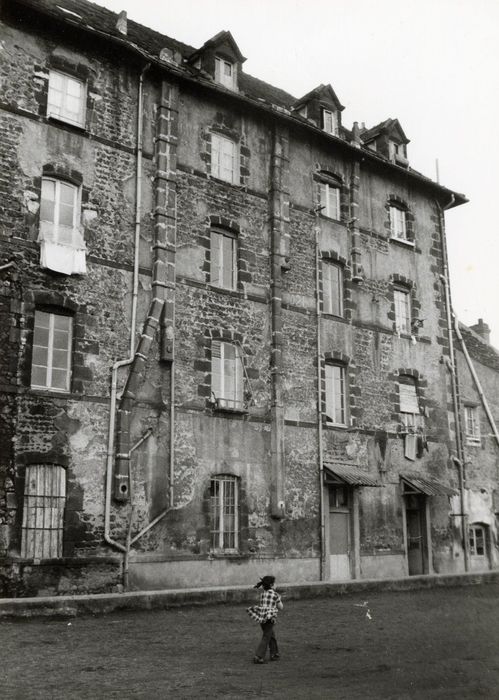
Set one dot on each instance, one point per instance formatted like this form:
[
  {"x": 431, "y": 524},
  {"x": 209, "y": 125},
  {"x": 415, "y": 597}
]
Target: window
[
  {"x": 224, "y": 159},
  {"x": 66, "y": 98},
  {"x": 224, "y": 73},
  {"x": 59, "y": 211},
  {"x": 472, "y": 425},
  {"x": 329, "y": 198},
  {"x": 43, "y": 512},
  {"x": 477, "y": 540},
  {"x": 410, "y": 413},
  {"x": 227, "y": 383},
  {"x": 398, "y": 224},
  {"x": 330, "y": 121},
  {"x": 335, "y": 394},
  {"x": 51, "y": 360},
  {"x": 402, "y": 301},
  {"x": 332, "y": 286},
  {"x": 223, "y": 266},
  {"x": 224, "y": 499}
]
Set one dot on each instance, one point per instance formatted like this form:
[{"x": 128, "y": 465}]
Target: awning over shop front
[
  {"x": 417, "y": 484},
  {"x": 343, "y": 473}
]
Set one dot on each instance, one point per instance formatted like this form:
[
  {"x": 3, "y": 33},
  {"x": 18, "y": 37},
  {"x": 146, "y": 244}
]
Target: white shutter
[
  {"x": 216, "y": 369},
  {"x": 216, "y": 255},
  {"x": 408, "y": 398}
]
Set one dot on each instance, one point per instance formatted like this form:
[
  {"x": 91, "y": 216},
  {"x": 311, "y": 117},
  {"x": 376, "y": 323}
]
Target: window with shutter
[
  {"x": 224, "y": 158},
  {"x": 224, "y": 73},
  {"x": 409, "y": 404},
  {"x": 402, "y": 301},
  {"x": 329, "y": 198}
]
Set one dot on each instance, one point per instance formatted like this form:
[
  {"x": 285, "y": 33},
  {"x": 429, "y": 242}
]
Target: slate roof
[
  {"x": 92, "y": 17},
  {"x": 478, "y": 348},
  {"x": 369, "y": 134}
]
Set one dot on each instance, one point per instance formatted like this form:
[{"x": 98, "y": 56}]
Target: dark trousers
[{"x": 268, "y": 640}]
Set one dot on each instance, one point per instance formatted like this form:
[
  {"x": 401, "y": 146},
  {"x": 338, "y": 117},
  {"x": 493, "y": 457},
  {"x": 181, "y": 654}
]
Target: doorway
[
  {"x": 417, "y": 546},
  {"x": 340, "y": 536},
  {"x": 478, "y": 539}
]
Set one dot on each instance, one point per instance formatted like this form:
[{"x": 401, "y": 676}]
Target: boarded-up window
[
  {"x": 43, "y": 512},
  {"x": 223, "y": 267},
  {"x": 227, "y": 381},
  {"x": 409, "y": 403},
  {"x": 224, "y": 499},
  {"x": 224, "y": 159}
]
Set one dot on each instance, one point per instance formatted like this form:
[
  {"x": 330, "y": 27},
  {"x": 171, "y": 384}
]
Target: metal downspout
[
  {"x": 135, "y": 286},
  {"x": 322, "y": 513},
  {"x": 455, "y": 400},
  {"x": 476, "y": 380}
]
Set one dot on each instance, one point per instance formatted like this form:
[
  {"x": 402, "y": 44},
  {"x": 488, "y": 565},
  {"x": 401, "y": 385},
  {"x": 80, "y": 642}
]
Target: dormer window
[
  {"x": 224, "y": 72},
  {"x": 397, "y": 152},
  {"x": 330, "y": 122}
]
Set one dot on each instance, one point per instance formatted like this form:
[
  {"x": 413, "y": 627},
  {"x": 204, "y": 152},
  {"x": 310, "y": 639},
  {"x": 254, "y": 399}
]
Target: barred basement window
[
  {"x": 43, "y": 512},
  {"x": 224, "y": 496}
]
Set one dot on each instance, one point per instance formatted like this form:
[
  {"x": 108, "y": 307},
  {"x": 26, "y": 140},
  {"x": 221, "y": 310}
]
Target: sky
[{"x": 433, "y": 64}]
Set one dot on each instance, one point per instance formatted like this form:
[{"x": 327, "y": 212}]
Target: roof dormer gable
[
  {"x": 220, "y": 58},
  {"x": 321, "y": 106},
  {"x": 389, "y": 140}
]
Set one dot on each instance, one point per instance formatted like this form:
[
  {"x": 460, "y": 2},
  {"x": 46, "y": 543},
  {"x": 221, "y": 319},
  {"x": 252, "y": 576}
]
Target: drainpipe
[
  {"x": 135, "y": 286},
  {"x": 476, "y": 380},
  {"x": 322, "y": 514},
  {"x": 459, "y": 461}
]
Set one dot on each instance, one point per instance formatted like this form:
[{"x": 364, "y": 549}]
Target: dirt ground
[{"x": 438, "y": 643}]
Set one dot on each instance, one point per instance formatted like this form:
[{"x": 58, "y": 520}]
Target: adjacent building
[{"x": 226, "y": 326}]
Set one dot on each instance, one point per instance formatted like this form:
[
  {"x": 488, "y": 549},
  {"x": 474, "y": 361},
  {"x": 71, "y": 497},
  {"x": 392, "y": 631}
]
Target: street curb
[{"x": 104, "y": 603}]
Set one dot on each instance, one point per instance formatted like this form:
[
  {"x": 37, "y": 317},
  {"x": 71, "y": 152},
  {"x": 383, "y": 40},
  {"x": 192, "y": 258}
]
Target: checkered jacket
[{"x": 267, "y": 609}]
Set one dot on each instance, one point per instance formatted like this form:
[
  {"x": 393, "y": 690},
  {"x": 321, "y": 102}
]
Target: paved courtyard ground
[{"x": 438, "y": 643}]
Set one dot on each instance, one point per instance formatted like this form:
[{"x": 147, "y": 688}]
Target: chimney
[
  {"x": 121, "y": 23},
  {"x": 482, "y": 329},
  {"x": 356, "y": 141}
]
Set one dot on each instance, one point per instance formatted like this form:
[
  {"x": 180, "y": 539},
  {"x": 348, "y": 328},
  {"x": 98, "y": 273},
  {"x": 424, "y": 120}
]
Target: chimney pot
[{"x": 482, "y": 329}]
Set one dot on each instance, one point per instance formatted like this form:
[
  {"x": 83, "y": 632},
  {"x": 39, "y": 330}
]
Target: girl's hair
[{"x": 266, "y": 582}]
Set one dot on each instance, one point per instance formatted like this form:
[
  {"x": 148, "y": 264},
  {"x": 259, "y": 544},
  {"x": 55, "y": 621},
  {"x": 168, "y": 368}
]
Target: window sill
[
  {"x": 402, "y": 242},
  {"x": 214, "y": 178},
  {"x": 80, "y": 128},
  {"x": 330, "y": 218},
  {"x": 49, "y": 391},
  {"x": 336, "y": 426},
  {"x": 333, "y": 317},
  {"x": 220, "y": 407},
  {"x": 474, "y": 442}
]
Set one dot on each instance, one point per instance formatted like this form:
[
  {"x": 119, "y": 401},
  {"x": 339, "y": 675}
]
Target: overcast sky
[{"x": 433, "y": 64}]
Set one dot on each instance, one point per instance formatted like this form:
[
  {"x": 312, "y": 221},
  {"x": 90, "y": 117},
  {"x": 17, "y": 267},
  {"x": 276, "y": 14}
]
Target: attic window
[
  {"x": 224, "y": 73},
  {"x": 397, "y": 153},
  {"x": 330, "y": 122}
]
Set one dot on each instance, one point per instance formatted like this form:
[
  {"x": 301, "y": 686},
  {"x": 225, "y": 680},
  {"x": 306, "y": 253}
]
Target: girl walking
[{"x": 266, "y": 614}]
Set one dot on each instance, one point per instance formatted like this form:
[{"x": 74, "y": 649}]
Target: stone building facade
[{"x": 225, "y": 321}]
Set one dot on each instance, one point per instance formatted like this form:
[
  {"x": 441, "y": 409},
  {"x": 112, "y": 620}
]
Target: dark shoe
[
  {"x": 259, "y": 660},
  {"x": 276, "y": 657}
]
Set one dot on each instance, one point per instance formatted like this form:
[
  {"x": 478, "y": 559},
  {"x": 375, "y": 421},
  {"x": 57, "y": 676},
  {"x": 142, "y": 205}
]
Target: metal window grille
[
  {"x": 224, "y": 513},
  {"x": 66, "y": 98},
  {"x": 227, "y": 377},
  {"x": 335, "y": 394},
  {"x": 402, "y": 302},
  {"x": 223, "y": 266},
  {"x": 51, "y": 358},
  {"x": 332, "y": 287},
  {"x": 43, "y": 512},
  {"x": 477, "y": 540}
]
